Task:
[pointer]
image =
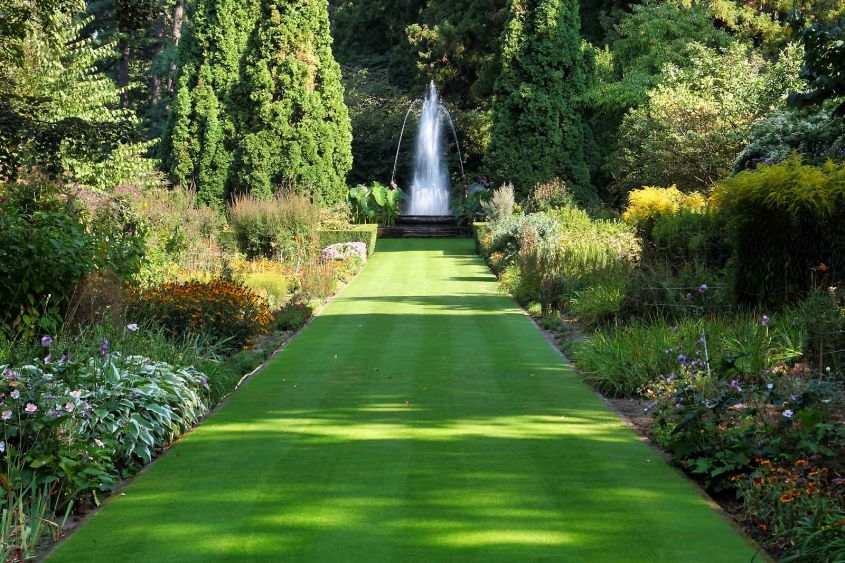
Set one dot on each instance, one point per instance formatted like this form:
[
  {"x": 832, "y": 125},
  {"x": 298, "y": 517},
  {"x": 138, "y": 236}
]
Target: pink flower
[
  {"x": 46, "y": 340},
  {"x": 75, "y": 394},
  {"x": 7, "y": 415},
  {"x": 30, "y": 407},
  {"x": 69, "y": 407},
  {"x": 99, "y": 442},
  {"x": 15, "y": 394}
]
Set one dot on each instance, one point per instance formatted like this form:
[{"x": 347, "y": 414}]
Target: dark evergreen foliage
[
  {"x": 259, "y": 104},
  {"x": 538, "y": 132}
]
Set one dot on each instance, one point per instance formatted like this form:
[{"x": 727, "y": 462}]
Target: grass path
[{"x": 422, "y": 417}]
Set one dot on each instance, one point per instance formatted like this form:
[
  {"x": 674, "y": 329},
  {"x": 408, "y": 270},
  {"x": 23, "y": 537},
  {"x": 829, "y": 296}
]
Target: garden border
[{"x": 124, "y": 483}]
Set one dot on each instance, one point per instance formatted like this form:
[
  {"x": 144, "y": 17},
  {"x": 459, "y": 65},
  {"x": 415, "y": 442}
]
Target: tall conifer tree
[
  {"x": 538, "y": 132},
  {"x": 259, "y": 105}
]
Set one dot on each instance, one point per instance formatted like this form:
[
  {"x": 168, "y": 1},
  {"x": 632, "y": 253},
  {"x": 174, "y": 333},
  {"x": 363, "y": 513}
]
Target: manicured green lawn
[{"x": 422, "y": 417}]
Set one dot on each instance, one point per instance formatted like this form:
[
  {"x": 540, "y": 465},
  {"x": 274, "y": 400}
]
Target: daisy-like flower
[
  {"x": 75, "y": 394},
  {"x": 788, "y": 413},
  {"x": 30, "y": 408},
  {"x": 99, "y": 442},
  {"x": 7, "y": 415},
  {"x": 132, "y": 327},
  {"x": 2, "y": 446},
  {"x": 46, "y": 340},
  {"x": 15, "y": 394},
  {"x": 69, "y": 407}
]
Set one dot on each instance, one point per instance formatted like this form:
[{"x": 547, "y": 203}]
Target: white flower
[
  {"x": 15, "y": 394},
  {"x": 2, "y": 446},
  {"x": 788, "y": 413},
  {"x": 770, "y": 386},
  {"x": 99, "y": 442},
  {"x": 7, "y": 415},
  {"x": 75, "y": 394},
  {"x": 132, "y": 327}
]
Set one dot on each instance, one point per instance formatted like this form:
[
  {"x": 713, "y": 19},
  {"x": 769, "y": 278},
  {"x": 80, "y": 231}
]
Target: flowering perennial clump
[
  {"x": 344, "y": 250},
  {"x": 221, "y": 309}
]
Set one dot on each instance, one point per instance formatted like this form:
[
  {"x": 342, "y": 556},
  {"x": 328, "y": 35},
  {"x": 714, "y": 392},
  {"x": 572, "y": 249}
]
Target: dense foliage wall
[
  {"x": 538, "y": 133},
  {"x": 259, "y": 105}
]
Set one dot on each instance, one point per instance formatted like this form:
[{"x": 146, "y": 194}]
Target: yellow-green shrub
[
  {"x": 648, "y": 203},
  {"x": 788, "y": 228}
]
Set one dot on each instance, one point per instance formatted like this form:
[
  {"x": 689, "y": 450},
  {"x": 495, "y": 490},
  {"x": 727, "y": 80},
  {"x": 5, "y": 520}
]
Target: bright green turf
[{"x": 422, "y": 417}]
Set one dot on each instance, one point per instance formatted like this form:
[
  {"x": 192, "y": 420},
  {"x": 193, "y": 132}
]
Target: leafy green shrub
[
  {"x": 366, "y": 233},
  {"x": 280, "y": 227},
  {"x": 375, "y": 203},
  {"x": 293, "y": 316},
  {"x": 788, "y": 224},
  {"x": 221, "y": 309},
  {"x": 44, "y": 251},
  {"x": 816, "y": 137},
  {"x": 507, "y": 233},
  {"x": 691, "y": 236}
]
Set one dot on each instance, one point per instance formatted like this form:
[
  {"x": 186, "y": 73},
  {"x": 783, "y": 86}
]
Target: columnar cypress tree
[
  {"x": 538, "y": 132},
  {"x": 260, "y": 103},
  {"x": 295, "y": 125}
]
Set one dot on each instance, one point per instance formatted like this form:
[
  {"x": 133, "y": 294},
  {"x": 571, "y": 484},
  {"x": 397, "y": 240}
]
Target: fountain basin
[{"x": 425, "y": 226}]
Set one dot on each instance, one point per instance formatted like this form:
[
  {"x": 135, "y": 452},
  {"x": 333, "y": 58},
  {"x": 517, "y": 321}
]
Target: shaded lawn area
[{"x": 421, "y": 417}]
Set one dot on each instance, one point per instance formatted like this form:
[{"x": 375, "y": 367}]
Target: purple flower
[
  {"x": 48, "y": 359},
  {"x": 788, "y": 413},
  {"x": 793, "y": 398},
  {"x": 681, "y": 358},
  {"x": 133, "y": 394},
  {"x": 30, "y": 408},
  {"x": 700, "y": 342},
  {"x": 675, "y": 329},
  {"x": 46, "y": 340},
  {"x": 69, "y": 407},
  {"x": 65, "y": 357},
  {"x": 765, "y": 320},
  {"x": 735, "y": 386},
  {"x": 104, "y": 347},
  {"x": 702, "y": 289},
  {"x": 203, "y": 381}
]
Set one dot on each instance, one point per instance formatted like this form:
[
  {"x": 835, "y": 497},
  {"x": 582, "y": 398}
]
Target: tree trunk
[
  {"x": 123, "y": 70},
  {"x": 155, "y": 80},
  {"x": 176, "y": 35}
]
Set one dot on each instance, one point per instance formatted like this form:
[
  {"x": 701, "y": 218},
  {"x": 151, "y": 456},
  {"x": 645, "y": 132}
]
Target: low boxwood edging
[
  {"x": 479, "y": 229},
  {"x": 367, "y": 234}
]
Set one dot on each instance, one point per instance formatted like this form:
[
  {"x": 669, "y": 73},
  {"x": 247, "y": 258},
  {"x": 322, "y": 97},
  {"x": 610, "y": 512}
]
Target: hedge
[
  {"x": 478, "y": 232},
  {"x": 355, "y": 233}
]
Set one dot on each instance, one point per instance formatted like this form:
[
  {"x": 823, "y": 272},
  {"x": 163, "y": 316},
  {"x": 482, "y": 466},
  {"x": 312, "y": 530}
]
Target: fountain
[{"x": 429, "y": 189}]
